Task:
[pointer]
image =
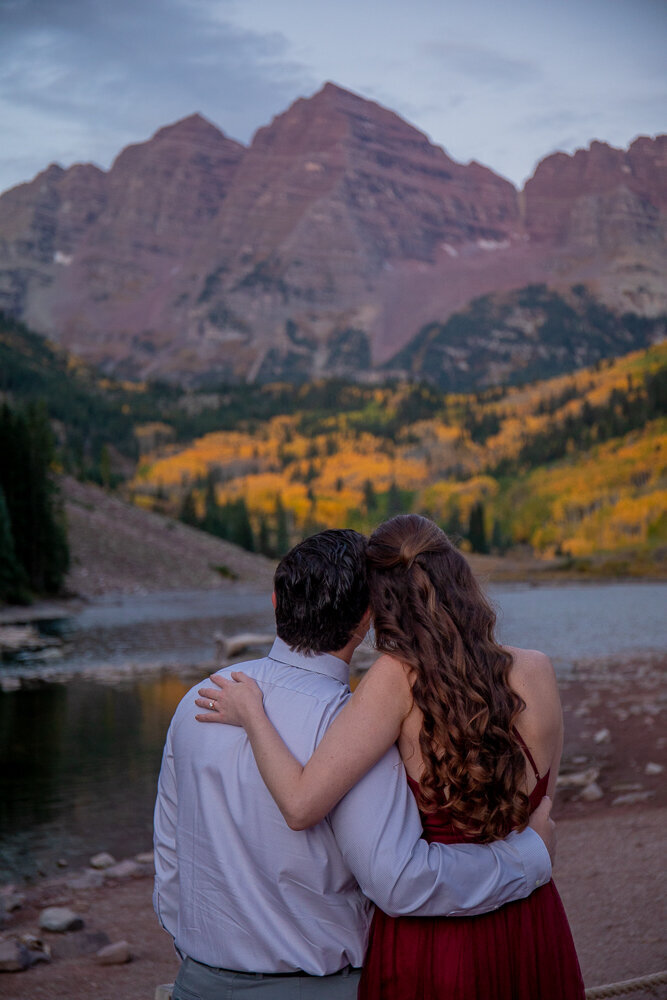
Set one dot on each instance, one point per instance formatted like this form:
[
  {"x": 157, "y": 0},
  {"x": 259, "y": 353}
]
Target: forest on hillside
[
  {"x": 34, "y": 554},
  {"x": 569, "y": 466},
  {"x": 572, "y": 466}
]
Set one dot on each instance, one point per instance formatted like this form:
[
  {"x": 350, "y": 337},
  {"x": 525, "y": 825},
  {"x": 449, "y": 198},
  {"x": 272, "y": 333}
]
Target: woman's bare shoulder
[
  {"x": 388, "y": 674},
  {"x": 534, "y": 679},
  {"x": 530, "y": 665}
]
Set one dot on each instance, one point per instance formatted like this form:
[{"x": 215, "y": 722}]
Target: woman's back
[{"x": 539, "y": 724}]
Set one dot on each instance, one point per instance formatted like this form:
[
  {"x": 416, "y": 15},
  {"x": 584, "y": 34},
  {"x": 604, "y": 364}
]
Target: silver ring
[{"x": 211, "y": 704}]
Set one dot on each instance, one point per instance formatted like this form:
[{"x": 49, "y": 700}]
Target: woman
[{"x": 479, "y": 729}]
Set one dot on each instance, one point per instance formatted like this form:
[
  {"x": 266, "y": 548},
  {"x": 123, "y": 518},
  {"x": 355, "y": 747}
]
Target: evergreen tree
[
  {"x": 370, "y": 499},
  {"x": 215, "y": 517},
  {"x": 32, "y": 498},
  {"x": 188, "y": 511},
  {"x": 394, "y": 500},
  {"x": 453, "y": 526},
  {"x": 105, "y": 466},
  {"x": 498, "y": 541},
  {"x": 239, "y": 529},
  {"x": 282, "y": 529},
  {"x": 476, "y": 529},
  {"x": 13, "y": 583},
  {"x": 264, "y": 538},
  {"x": 50, "y": 560},
  {"x": 310, "y": 473}
]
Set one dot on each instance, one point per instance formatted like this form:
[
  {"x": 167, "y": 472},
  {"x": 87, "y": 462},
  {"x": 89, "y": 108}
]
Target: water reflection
[{"x": 78, "y": 769}]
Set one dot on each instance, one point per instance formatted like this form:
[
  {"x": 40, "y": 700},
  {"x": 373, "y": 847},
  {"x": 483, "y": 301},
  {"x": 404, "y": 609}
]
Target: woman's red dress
[{"x": 522, "y": 951}]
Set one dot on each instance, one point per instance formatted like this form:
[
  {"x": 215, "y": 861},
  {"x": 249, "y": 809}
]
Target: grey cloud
[
  {"x": 481, "y": 63},
  {"x": 553, "y": 120},
  {"x": 114, "y": 71}
]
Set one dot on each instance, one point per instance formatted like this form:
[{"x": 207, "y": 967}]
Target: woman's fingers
[
  {"x": 207, "y": 702},
  {"x": 244, "y": 686},
  {"x": 223, "y": 682},
  {"x": 231, "y": 701},
  {"x": 219, "y": 706}
]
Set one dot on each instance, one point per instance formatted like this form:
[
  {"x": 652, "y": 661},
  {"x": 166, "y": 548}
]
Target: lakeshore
[
  {"x": 609, "y": 870},
  {"x": 611, "y": 807}
]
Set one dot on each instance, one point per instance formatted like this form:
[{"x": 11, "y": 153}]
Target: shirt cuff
[{"x": 535, "y": 857}]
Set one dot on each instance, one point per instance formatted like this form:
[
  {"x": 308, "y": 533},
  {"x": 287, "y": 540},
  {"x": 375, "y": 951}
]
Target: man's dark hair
[{"x": 322, "y": 591}]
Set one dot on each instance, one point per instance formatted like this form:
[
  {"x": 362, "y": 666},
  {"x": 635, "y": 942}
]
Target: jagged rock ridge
[{"x": 322, "y": 248}]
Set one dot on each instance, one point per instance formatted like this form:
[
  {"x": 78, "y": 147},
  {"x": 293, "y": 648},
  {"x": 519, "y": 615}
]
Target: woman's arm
[{"x": 362, "y": 732}]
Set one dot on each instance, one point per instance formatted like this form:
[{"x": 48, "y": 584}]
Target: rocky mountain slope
[
  {"x": 324, "y": 247},
  {"x": 116, "y": 547}
]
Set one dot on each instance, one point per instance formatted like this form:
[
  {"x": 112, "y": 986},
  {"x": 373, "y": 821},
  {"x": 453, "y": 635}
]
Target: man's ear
[
  {"x": 273, "y": 600},
  {"x": 366, "y": 618}
]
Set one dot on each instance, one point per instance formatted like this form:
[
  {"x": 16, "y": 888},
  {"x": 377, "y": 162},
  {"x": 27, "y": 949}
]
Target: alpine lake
[{"x": 81, "y": 735}]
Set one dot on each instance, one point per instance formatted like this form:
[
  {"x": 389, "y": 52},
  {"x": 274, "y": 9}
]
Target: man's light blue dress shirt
[{"x": 237, "y": 889}]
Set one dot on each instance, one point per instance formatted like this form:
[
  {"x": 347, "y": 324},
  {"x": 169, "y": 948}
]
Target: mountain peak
[
  {"x": 192, "y": 127},
  {"x": 333, "y": 113},
  {"x": 330, "y": 88},
  {"x": 188, "y": 135},
  {"x": 324, "y": 246},
  {"x": 597, "y": 166},
  {"x": 334, "y": 92}
]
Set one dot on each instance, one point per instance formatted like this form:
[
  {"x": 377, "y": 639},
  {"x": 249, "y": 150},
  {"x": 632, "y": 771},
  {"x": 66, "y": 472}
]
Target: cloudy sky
[{"x": 504, "y": 84}]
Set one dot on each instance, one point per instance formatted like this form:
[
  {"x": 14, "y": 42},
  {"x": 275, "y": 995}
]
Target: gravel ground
[{"x": 610, "y": 873}]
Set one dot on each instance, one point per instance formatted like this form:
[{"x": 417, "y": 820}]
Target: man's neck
[{"x": 346, "y": 652}]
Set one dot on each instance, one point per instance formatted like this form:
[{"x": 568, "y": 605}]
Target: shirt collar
[{"x": 319, "y": 663}]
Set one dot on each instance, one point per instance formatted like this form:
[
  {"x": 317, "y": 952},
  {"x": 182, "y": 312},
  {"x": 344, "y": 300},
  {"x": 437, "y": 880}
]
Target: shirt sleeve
[
  {"x": 378, "y": 829},
  {"x": 166, "y": 887}
]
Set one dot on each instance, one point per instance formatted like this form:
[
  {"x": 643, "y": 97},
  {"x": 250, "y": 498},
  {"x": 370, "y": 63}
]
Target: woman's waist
[
  {"x": 446, "y": 834},
  {"x": 440, "y": 828},
  {"x": 440, "y": 837}
]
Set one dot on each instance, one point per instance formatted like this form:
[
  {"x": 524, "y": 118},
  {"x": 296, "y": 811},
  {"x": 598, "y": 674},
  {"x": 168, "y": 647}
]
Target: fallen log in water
[
  {"x": 227, "y": 646},
  {"x": 25, "y": 639}
]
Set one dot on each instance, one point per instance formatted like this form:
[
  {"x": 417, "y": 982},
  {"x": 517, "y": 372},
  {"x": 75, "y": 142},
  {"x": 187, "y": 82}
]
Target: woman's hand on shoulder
[{"x": 233, "y": 702}]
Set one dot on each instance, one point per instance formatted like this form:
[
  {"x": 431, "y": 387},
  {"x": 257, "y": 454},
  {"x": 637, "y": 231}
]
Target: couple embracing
[{"x": 422, "y": 793}]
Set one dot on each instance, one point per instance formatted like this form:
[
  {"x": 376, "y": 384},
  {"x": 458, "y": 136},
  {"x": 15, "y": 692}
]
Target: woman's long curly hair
[{"x": 430, "y": 613}]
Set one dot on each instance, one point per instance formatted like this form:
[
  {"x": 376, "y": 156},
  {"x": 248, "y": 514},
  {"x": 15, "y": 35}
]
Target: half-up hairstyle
[{"x": 430, "y": 613}]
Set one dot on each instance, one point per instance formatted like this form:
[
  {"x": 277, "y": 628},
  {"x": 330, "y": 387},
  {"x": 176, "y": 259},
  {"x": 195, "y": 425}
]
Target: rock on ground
[
  {"x": 60, "y": 920},
  {"x": 117, "y": 953}
]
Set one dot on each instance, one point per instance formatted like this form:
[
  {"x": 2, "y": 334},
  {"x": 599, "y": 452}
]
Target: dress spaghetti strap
[{"x": 527, "y": 752}]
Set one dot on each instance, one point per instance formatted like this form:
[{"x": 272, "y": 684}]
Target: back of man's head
[{"x": 322, "y": 591}]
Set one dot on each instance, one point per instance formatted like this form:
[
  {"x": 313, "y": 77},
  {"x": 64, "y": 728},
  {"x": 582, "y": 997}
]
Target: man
[{"x": 255, "y": 907}]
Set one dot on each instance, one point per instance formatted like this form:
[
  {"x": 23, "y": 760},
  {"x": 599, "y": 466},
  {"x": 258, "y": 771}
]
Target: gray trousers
[{"x": 200, "y": 982}]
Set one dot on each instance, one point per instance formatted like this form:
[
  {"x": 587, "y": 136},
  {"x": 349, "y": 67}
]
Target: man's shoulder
[
  {"x": 186, "y": 703},
  {"x": 275, "y": 677}
]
